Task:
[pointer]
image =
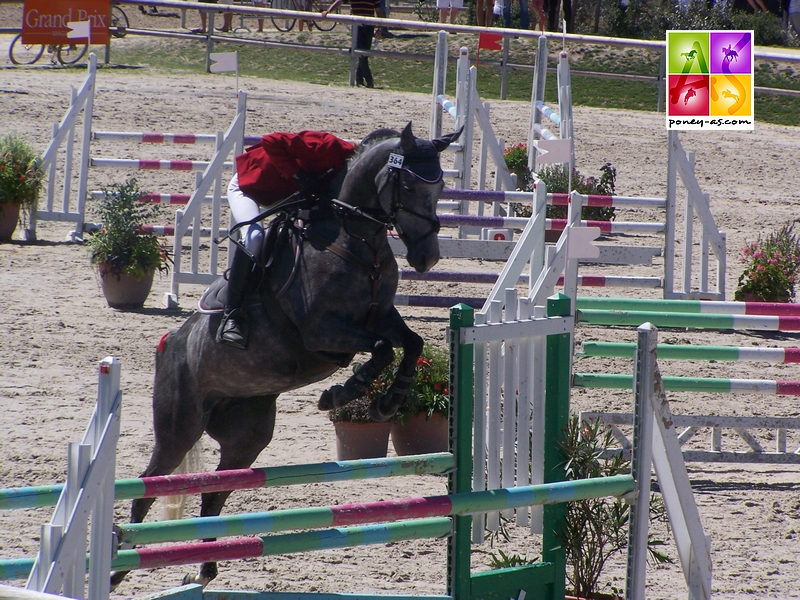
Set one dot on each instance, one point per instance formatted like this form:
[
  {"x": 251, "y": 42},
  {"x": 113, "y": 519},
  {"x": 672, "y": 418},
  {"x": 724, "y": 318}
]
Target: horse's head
[{"x": 408, "y": 185}]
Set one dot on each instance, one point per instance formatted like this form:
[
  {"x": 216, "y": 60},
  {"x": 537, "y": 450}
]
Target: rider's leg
[{"x": 233, "y": 329}]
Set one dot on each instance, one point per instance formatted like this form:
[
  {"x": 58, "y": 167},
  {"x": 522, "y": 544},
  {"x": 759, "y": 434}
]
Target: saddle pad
[{"x": 213, "y": 299}]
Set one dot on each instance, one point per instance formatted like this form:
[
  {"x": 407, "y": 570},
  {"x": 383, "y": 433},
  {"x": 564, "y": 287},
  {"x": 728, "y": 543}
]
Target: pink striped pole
[{"x": 153, "y": 165}]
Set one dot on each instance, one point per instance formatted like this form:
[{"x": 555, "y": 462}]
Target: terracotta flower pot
[
  {"x": 420, "y": 435},
  {"x": 124, "y": 291},
  {"x": 361, "y": 440},
  {"x": 9, "y": 216}
]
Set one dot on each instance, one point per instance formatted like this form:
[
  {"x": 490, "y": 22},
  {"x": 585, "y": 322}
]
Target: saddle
[{"x": 281, "y": 232}]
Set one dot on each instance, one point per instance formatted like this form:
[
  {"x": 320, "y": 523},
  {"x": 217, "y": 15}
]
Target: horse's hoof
[
  {"x": 376, "y": 414},
  {"x": 334, "y": 397},
  {"x": 325, "y": 401},
  {"x": 116, "y": 578}
]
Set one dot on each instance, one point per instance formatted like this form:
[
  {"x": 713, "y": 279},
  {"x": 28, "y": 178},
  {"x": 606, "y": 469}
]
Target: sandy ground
[{"x": 56, "y": 327}]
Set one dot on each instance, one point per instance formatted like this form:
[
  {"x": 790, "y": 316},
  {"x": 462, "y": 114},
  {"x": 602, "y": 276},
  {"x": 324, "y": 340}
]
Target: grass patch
[{"x": 332, "y": 67}]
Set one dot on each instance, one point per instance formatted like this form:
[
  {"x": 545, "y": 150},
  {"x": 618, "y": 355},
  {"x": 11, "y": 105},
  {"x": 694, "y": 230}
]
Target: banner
[
  {"x": 47, "y": 21},
  {"x": 710, "y": 80}
]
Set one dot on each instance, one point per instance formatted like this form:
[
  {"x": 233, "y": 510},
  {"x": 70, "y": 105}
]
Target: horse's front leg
[
  {"x": 358, "y": 383},
  {"x": 386, "y": 405}
]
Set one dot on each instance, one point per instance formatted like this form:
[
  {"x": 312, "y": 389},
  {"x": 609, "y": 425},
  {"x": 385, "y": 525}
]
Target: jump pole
[
  {"x": 242, "y": 479},
  {"x": 689, "y": 320},
  {"x": 692, "y": 384},
  {"x": 693, "y": 352},
  {"x": 693, "y": 306},
  {"x": 371, "y": 512}
]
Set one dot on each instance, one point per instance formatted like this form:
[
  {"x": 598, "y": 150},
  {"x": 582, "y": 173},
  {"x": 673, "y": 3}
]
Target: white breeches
[{"x": 243, "y": 208}]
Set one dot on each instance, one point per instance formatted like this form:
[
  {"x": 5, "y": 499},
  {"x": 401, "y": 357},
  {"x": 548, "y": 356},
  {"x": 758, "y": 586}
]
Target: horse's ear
[
  {"x": 407, "y": 140},
  {"x": 443, "y": 142}
]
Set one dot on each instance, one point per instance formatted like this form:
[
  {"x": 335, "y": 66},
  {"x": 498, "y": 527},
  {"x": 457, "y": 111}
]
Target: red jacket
[{"x": 266, "y": 169}]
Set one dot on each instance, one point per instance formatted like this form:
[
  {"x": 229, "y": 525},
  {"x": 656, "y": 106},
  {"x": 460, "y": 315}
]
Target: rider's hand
[{"x": 309, "y": 183}]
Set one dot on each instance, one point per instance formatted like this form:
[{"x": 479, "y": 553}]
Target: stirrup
[{"x": 233, "y": 330}]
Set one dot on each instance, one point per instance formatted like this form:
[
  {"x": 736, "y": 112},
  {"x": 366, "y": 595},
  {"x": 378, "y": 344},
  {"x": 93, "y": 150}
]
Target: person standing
[
  {"x": 364, "y": 35},
  {"x": 524, "y": 17},
  {"x": 451, "y": 6}
]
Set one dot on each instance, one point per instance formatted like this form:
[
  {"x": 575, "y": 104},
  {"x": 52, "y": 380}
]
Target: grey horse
[{"x": 327, "y": 295}]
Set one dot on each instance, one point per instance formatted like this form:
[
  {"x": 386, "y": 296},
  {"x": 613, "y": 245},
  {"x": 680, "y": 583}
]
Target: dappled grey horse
[{"x": 327, "y": 295}]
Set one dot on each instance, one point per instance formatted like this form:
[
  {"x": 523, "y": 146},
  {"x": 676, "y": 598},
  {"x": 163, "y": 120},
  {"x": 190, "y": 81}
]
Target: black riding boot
[{"x": 233, "y": 328}]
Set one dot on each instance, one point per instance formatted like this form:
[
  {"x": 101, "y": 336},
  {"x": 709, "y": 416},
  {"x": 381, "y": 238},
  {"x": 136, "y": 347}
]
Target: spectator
[
  {"x": 364, "y": 35},
  {"x": 794, "y": 15},
  {"x": 227, "y": 23},
  {"x": 260, "y": 4},
  {"x": 483, "y": 13},
  {"x": 453, "y": 5},
  {"x": 524, "y": 18}
]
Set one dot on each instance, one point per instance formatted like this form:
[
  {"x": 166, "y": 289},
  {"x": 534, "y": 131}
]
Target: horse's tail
[{"x": 175, "y": 506}]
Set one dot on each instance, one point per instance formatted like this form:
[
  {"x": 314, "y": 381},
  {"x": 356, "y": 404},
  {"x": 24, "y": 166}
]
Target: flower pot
[
  {"x": 9, "y": 216},
  {"x": 420, "y": 435},
  {"x": 753, "y": 297},
  {"x": 124, "y": 291},
  {"x": 361, "y": 440}
]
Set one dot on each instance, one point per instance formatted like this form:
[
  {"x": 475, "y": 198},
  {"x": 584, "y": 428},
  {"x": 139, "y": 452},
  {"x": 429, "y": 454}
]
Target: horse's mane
[{"x": 371, "y": 140}]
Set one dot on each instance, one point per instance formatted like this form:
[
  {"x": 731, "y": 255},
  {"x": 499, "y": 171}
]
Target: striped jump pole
[
  {"x": 693, "y": 306},
  {"x": 154, "y": 165},
  {"x": 689, "y": 320},
  {"x": 692, "y": 384},
  {"x": 243, "y": 479},
  {"x": 635, "y": 227},
  {"x": 436, "y": 301},
  {"x": 693, "y": 352},
  {"x": 416, "y": 518},
  {"x": 371, "y": 512},
  {"x": 597, "y": 200},
  {"x": 447, "y": 105},
  {"x": 559, "y": 199},
  {"x": 253, "y": 547},
  {"x": 524, "y": 278},
  {"x": 147, "y": 137},
  {"x": 548, "y": 112}
]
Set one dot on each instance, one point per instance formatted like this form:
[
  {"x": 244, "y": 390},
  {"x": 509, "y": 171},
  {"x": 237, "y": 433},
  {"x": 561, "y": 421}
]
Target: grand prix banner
[
  {"x": 66, "y": 21},
  {"x": 710, "y": 80}
]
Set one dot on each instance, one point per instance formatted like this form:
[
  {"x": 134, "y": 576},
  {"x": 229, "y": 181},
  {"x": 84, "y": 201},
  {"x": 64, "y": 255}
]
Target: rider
[{"x": 272, "y": 170}]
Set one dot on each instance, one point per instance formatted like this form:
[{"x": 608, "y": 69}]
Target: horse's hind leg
[{"x": 243, "y": 428}]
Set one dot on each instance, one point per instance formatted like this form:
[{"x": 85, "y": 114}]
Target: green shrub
[
  {"x": 21, "y": 172},
  {"x": 119, "y": 242}
]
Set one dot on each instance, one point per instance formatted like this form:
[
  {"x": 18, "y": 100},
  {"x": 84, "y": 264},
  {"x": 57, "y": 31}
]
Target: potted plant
[
  {"x": 557, "y": 181},
  {"x": 125, "y": 257},
  {"x": 597, "y": 528},
  {"x": 771, "y": 267},
  {"x": 21, "y": 180},
  {"x": 421, "y": 426},
  {"x": 357, "y": 435}
]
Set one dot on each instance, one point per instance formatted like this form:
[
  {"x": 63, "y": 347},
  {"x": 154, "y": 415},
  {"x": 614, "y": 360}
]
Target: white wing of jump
[
  {"x": 78, "y": 30},
  {"x": 579, "y": 243},
  {"x": 553, "y": 151}
]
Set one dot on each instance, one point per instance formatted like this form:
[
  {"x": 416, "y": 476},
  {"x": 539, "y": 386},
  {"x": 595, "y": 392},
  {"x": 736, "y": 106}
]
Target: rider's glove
[{"x": 309, "y": 183}]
